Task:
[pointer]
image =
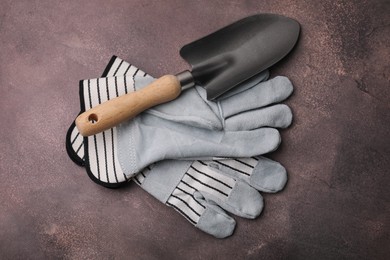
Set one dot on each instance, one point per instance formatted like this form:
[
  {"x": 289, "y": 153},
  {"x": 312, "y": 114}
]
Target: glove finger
[
  {"x": 279, "y": 116},
  {"x": 259, "y": 172},
  {"x": 249, "y": 143},
  {"x": 234, "y": 196},
  {"x": 263, "y": 94},
  {"x": 207, "y": 217},
  {"x": 243, "y": 201},
  {"x": 268, "y": 176},
  {"x": 216, "y": 222}
]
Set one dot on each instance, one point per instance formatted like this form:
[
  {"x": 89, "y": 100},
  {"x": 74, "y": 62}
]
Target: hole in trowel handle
[{"x": 93, "y": 118}]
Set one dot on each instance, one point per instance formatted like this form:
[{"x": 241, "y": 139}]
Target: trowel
[{"x": 219, "y": 61}]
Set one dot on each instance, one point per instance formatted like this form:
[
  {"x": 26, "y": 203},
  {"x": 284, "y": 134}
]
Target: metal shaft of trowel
[{"x": 186, "y": 79}]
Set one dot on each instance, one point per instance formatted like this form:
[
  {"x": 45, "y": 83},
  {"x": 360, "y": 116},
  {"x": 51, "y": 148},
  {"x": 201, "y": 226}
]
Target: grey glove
[{"x": 197, "y": 189}]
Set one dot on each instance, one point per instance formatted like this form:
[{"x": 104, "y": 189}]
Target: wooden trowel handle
[{"x": 120, "y": 109}]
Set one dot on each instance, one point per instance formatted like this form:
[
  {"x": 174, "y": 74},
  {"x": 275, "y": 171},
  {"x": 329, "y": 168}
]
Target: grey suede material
[
  {"x": 243, "y": 201},
  {"x": 268, "y": 176},
  {"x": 215, "y": 222},
  {"x": 279, "y": 116},
  {"x": 164, "y": 177},
  {"x": 189, "y": 108}
]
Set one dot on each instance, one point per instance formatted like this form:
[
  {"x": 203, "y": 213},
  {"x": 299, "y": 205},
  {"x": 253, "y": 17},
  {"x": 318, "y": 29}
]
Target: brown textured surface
[{"x": 336, "y": 204}]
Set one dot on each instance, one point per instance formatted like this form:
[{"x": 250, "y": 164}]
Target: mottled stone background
[{"x": 337, "y": 152}]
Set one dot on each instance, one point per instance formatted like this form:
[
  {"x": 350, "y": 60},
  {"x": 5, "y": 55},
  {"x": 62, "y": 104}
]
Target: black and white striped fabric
[{"x": 218, "y": 181}]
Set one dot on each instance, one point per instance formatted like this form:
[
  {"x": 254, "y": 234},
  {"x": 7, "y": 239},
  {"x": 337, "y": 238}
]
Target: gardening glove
[
  {"x": 202, "y": 190},
  {"x": 227, "y": 183}
]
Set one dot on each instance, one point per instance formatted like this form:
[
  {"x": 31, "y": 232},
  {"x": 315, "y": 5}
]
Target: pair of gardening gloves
[{"x": 200, "y": 157}]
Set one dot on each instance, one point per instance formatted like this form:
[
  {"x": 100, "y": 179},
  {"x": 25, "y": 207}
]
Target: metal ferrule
[{"x": 186, "y": 79}]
